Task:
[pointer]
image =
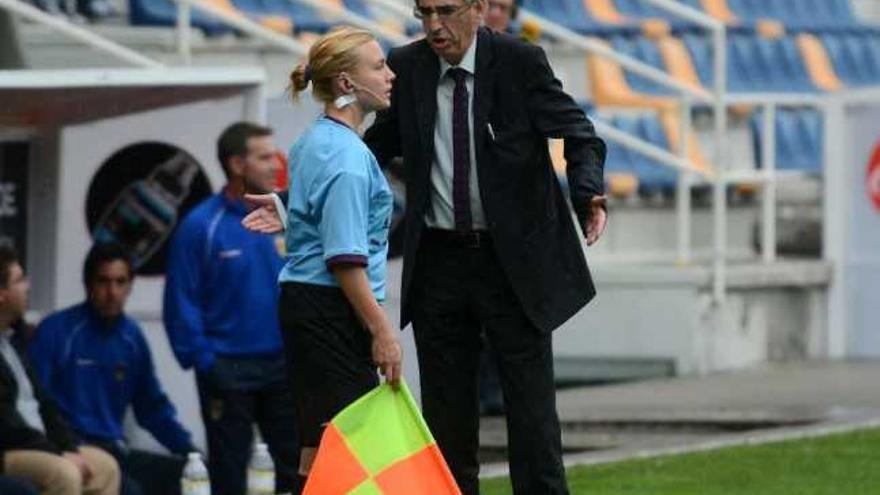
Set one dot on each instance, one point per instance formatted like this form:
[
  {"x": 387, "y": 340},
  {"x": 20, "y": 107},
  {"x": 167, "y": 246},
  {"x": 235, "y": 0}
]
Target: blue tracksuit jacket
[
  {"x": 221, "y": 291},
  {"x": 95, "y": 371}
]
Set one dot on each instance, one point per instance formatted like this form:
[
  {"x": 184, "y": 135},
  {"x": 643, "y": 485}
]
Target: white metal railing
[
  {"x": 769, "y": 176},
  {"x": 79, "y": 33},
  {"x": 230, "y": 18}
]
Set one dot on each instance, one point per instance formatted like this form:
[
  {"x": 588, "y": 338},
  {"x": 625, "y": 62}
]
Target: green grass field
[{"x": 845, "y": 464}]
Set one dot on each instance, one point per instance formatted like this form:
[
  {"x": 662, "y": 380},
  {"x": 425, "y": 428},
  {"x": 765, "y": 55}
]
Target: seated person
[
  {"x": 36, "y": 444},
  {"x": 12, "y": 486},
  {"x": 94, "y": 360}
]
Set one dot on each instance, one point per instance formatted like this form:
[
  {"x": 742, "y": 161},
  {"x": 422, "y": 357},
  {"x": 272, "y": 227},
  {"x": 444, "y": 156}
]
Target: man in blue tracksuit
[
  {"x": 94, "y": 361},
  {"x": 220, "y": 311}
]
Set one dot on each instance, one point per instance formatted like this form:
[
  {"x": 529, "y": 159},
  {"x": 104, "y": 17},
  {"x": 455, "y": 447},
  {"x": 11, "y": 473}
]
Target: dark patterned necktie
[{"x": 461, "y": 152}]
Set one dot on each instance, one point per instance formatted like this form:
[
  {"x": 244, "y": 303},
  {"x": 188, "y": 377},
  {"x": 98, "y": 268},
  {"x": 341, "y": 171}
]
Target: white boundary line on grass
[{"x": 777, "y": 435}]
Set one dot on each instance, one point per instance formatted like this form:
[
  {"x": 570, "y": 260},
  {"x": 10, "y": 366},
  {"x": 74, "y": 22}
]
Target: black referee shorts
[{"x": 329, "y": 358}]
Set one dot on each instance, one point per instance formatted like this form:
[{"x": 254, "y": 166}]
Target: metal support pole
[
  {"x": 768, "y": 197},
  {"x": 184, "y": 31},
  {"x": 835, "y": 227},
  {"x": 683, "y": 187},
  {"x": 719, "y": 196}
]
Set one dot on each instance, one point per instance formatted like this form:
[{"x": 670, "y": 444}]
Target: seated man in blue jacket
[{"x": 95, "y": 362}]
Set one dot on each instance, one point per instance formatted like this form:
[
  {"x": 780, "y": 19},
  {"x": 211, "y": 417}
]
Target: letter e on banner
[{"x": 873, "y": 178}]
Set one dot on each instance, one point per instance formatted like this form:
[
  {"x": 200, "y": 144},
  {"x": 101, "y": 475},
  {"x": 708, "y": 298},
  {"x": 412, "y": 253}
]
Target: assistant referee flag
[{"x": 380, "y": 445}]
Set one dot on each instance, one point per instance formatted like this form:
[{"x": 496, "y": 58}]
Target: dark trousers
[
  {"x": 329, "y": 355},
  {"x": 145, "y": 473},
  {"x": 460, "y": 290},
  {"x": 230, "y": 406}
]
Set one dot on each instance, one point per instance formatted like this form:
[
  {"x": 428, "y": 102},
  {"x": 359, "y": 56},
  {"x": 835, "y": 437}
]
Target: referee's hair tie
[{"x": 308, "y": 73}]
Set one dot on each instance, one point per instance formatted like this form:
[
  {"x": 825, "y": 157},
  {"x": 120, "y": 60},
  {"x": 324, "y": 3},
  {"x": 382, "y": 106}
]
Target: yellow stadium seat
[
  {"x": 610, "y": 87},
  {"x": 719, "y": 10},
  {"x": 655, "y": 28},
  {"x": 770, "y": 29},
  {"x": 818, "y": 63},
  {"x": 604, "y": 11},
  {"x": 678, "y": 62},
  {"x": 671, "y": 122}
]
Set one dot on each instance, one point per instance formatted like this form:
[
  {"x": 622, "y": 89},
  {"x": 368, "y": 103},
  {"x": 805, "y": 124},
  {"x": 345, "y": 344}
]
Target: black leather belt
[{"x": 470, "y": 239}]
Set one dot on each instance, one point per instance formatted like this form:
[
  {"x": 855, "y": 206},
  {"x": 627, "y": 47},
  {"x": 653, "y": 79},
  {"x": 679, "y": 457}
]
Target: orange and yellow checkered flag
[{"x": 380, "y": 445}]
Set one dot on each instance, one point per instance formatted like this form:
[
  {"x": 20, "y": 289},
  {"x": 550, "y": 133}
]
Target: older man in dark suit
[{"x": 489, "y": 242}]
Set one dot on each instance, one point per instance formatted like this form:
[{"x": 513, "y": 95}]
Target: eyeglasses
[{"x": 443, "y": 12}]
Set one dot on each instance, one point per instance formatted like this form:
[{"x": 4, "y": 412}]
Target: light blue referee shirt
[{"x": 339, "y": 207}]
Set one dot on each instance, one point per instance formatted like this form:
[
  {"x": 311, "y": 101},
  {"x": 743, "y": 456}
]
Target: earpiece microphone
[{"x": 359, "y": 87}]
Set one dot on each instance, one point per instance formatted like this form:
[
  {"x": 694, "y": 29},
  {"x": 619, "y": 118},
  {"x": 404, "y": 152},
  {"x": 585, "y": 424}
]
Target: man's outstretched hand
[
  {"x": 597, "y": 220},
  {"x": 265, "y": 217}
]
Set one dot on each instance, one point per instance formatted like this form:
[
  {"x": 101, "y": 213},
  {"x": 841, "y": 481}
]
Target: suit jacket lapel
[{"x": 425, "y": 88}]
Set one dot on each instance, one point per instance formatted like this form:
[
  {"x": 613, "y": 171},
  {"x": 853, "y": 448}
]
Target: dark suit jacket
[
  {"x": 516, "y": 93},
  {"x": 15, "y": 434}
]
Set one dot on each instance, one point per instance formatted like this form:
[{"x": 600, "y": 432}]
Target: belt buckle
[{"x": 471, "y": 240}]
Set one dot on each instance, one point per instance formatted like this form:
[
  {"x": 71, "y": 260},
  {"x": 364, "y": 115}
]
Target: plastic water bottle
[
  {"x": 261, "y": 472},
  {"x": 195, "y": 476}
]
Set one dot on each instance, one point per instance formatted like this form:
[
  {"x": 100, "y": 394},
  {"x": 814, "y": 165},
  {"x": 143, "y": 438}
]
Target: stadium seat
[
  {"x": 164, "y": 13},
  {"x": 798, "y": 139},
  {"x": 645, "y": 51},
  {"x": 653, "y": 176},
  {"x": 620, "y": 175},
  {"x": 795, "y": 65},
  {"x": 305, "y": 17},
  {"x": 610, "y": 87},
  {"x": 852, "y": 61},
  {"x": 678, "y": 61},
  {"x": 818, "y": 62},
  {"x": 671, "y": 123},
  {"x": 718, "y": 9},
  {"x": 254, "y": 10},
  {"x": 605, "y": 11},
  {"x": 569, "y": 13}
]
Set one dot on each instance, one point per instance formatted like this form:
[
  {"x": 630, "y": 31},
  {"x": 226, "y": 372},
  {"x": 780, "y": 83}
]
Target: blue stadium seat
[
  {"x": 569, "y": 13},
  {"x": 795, "y": 67},
  {"x": 255, "y": 9},
  {"x": 700, "y": 48},
  {"x": 645, "y": 51},
  {"x": 745, "y": 10},
  {"x": 640, "y": 9},
  {"x": 859, "y": 46},
  {"x": 652, "y": 175},
  {"x": 739, "y": 76},
  {"x": 747, "y": 73},
  {"x": 755, "y": 63},
  {"x": 164, "y": 13},
  {"x": 798, "y": 139},
  {"x": 810, "y": 15},
  {"x": 853, "y": 57},
  {"x": 305, "y": 17},
  {"x": 619, "y": 159}
]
